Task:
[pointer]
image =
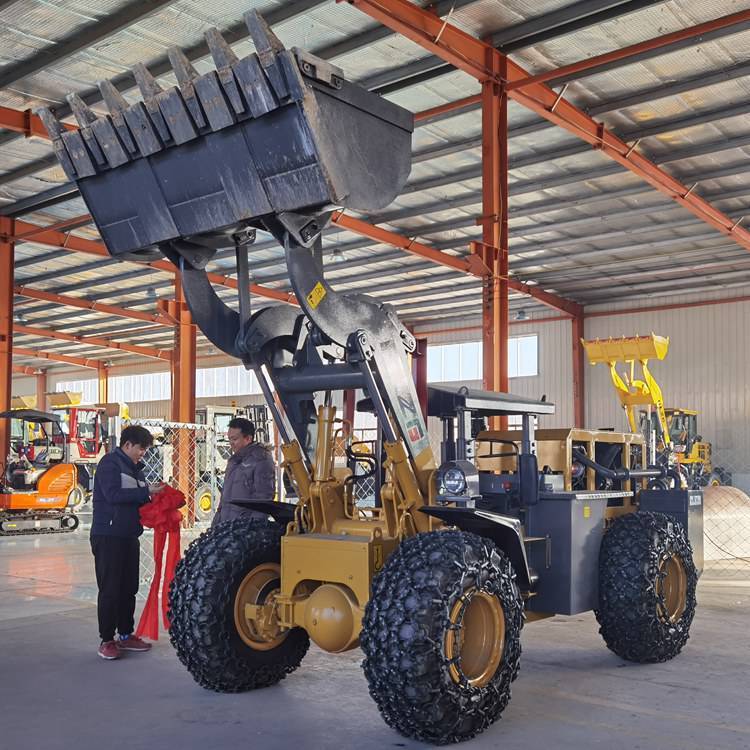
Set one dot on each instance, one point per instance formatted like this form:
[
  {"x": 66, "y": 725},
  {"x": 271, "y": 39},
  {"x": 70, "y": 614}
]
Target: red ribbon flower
[{"x": 163, "y": 516}]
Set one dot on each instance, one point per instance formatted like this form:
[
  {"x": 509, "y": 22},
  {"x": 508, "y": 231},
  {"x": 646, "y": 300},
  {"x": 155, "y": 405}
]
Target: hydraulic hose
[{"x": 620, "y": 474}]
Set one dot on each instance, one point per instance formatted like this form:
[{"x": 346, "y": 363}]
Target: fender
[{"x": 505, "y": 531}]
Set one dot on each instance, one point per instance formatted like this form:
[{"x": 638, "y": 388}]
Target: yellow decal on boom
[{"x": 316, "y": 295}]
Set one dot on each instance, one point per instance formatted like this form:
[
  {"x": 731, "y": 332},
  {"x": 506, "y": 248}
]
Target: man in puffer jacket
[
  {"x": 120, "y": 489},
  {"x": 250, "y": 473}
]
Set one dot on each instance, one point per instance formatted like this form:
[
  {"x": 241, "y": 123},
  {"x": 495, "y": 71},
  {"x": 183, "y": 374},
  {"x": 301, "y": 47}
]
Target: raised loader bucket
[
  {"x": 277, "y": 135},
  {"x": 626, "y": 349}
]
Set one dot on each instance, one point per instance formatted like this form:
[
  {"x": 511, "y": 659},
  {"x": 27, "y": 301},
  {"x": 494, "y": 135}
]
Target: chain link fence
[
  {"x": 192, "y": 458},
  {"x": 726, "y": 507}
]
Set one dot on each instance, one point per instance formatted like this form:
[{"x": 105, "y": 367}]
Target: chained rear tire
[
  {"x": 202, "y": 603},
  {"x": 647, "y": 582},
  {"x": 436, "y": 589}
]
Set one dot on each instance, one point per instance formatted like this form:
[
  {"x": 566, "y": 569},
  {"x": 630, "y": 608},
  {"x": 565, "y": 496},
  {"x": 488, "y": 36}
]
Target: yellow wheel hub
[
  {"x": 204, "y": 502},
  {"x": 671, "y": 589},
  {"x": 257, "y": 588},
  {"x": 475, "y": 641}
]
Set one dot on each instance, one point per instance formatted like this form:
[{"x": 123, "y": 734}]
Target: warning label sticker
[{"x": 316, "y": 295}]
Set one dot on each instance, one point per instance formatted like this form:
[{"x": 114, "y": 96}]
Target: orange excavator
[{"x": 37, "y": 486}]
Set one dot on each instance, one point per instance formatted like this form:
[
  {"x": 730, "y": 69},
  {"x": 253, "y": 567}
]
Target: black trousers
[{"x": 117, "y": 563}]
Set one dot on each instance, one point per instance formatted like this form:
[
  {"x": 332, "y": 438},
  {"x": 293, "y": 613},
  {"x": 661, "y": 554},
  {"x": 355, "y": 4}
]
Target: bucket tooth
[
  {"x": 56, "y": 131},
  {"x": 183, "y": 68},
  {"x": 146, "y": 82},
  {"x": 51, "y": 123},
  {"x": 265, "y": 41},
  {"x": 221, "y": 52},
  {"x": 269, "y": 47},
  {"x": 186, "y": 76},
  {"x": 86, "y": 118},
  {"x": 81, "y": 110},
  {"x": 114, "y": 100},
  {"x": 150, "y": 90},
  {"x": 224, "y": 59},
  {"x": 117, "y": 105}
]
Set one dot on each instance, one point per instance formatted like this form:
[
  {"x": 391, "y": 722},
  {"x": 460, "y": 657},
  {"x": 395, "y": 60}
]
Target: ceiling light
[
  {"x": 337, "y": 255},
  {"x": 521, "y": 315}
]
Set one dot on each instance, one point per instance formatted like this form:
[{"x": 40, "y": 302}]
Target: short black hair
[
  {"x": 245, "y": 426},
  {"x": 136, "y": 435}
]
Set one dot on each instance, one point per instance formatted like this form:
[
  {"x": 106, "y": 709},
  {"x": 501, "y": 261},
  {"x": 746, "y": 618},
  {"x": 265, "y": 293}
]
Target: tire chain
[
  {"x": 201, "y": 603},
  {"x": 632, "y": 550},
  {"x": 403, "y": 636}
]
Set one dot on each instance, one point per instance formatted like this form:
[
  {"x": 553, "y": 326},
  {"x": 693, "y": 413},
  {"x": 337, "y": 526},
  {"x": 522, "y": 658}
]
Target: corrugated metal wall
[
  {"x": 555, "y": 379},
  {"x": 706, "y": 369}
]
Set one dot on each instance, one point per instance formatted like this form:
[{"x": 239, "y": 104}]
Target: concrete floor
[{"x": 571, "y": 693}]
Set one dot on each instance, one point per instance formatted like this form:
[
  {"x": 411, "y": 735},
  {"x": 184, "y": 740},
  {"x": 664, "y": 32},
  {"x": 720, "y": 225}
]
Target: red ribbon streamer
[{"x": 163, "y": 516}]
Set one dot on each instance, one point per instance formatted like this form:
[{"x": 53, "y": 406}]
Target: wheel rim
[
  {"x": 475, "y": 641},
  {"x": 262, "y": 582},
  {"x": 204, "y": 502},
  {"x": 671, "y": 589}
]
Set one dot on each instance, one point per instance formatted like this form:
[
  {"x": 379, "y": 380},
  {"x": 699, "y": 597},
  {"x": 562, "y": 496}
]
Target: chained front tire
[
  {"x": 647, "y": 582},
  {"x": 441, "y": 636},
  {"x": 233, "y": 564}
]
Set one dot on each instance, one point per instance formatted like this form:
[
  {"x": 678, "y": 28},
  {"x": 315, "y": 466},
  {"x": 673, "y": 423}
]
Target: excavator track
[{"x": 71, "y": 524}]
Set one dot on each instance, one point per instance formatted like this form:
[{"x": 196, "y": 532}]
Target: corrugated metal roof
[{"x": 580, "y": 225}]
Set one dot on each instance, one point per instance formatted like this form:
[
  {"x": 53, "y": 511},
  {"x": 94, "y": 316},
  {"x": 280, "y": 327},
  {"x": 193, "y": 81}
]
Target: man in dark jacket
[
  {"x": 250, "y": 473},
  {"x": 120, "y": 489}
]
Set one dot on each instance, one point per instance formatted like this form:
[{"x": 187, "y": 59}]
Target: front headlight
[{"x": 454, "y": 481}]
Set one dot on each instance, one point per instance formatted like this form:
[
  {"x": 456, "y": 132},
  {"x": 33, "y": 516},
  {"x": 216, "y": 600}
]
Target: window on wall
[
  {"x": 89, "y": 389},
  {"x": 225, "y": 381},
  {"x": 150, "y": 386},
  {"x": 452, "y": 362},
  {"x": 523, "y": 356}
]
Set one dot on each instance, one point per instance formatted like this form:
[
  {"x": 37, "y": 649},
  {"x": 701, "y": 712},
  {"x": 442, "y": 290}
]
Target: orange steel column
[
  {"x": 579, "y": 369},
  {"x": 103, "y": 383},
  {"x": 41, "y": 390},
  {"x": 6, "y": 329},
  {"x": 183, "y": 363},
  {"x": 183, "y": 401},
  {"x": 494, "y": 221}
]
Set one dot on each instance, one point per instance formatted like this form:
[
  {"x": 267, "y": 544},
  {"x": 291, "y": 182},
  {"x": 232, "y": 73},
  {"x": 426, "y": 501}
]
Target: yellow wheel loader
[
  {"x": 433, "y": 582},
  {"x": 671, "y": 434}
]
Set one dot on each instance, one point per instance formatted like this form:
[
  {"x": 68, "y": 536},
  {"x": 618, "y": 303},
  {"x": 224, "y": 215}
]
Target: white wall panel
[
  {"x": 705, "y": 369},
  {"x": 555, "y": 378}
]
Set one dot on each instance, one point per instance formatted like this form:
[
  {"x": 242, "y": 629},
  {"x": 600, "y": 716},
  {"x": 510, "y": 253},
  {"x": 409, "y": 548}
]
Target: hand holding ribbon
[{"x": 163, "y": 516}]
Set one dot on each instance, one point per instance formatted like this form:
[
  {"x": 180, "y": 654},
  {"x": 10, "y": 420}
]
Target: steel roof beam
[
  {"x": 73, "y": 243},
  {"x": 22, "y": 369},
  {"x": 87, "y": 304},
  {"x": 77, "y": 361},
  {"x": 471, "y": 55},
  {"x": 595, "y": 64},
  {"x": 97, "y": 341},
  {"x": 431, "y": 70}
]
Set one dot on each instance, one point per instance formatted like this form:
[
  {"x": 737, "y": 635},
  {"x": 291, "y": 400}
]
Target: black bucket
[{"x": 276, "y": 134}]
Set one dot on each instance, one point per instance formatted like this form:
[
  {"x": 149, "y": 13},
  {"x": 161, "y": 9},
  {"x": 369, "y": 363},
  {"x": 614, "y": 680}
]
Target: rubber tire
[
  {"x": 404, "y": 628},
  {"x": 201, "y": 609},
  {"x": 631, "y": 551}
]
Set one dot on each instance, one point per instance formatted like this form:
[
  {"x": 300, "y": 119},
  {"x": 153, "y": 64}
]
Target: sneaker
[
  {"x": 132, "y": 643},
  {"x": 109, "y": 650}
]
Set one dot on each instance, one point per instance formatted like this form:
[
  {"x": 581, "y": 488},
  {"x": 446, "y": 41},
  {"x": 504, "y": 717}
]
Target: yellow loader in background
[{"x": 671, "y": 434}]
